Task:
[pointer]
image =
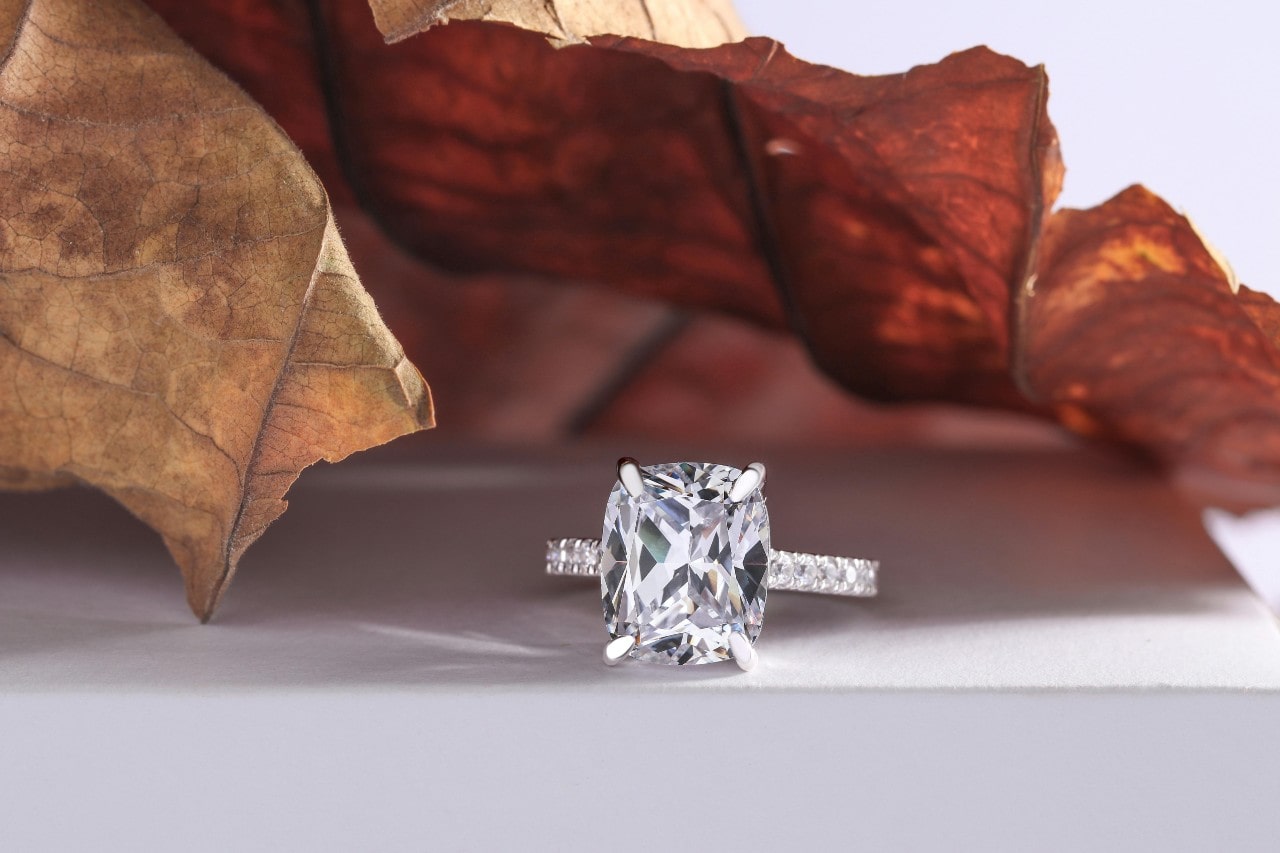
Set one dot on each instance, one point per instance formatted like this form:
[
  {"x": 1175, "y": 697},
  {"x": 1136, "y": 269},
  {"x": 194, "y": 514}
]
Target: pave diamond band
[{"x": 788, "y": 570}]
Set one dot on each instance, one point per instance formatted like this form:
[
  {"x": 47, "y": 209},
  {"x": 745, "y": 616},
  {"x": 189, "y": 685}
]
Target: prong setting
[
  {"x": 616, "y": 650},
  {"x": 680, "y": 593},
  {"x": 748, "y": 481},
  {"x": 744, "y": 654},
  {"x": 629, "y": 476}
]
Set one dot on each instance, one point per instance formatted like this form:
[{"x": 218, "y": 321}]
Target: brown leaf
[
  {"x": 1132, "y": 333},
  {"x": 578, "y": 360},
  {"x": 892, "y": 223},
  {"x": 559, "y": 343},
  {"x": 688, "y": 23},
  {"x": 880, "y": 238},
  {"x": 179, "y": 323}
]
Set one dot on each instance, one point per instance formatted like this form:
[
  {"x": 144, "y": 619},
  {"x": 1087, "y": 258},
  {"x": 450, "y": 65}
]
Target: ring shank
[{"x": 788, "y": 570}]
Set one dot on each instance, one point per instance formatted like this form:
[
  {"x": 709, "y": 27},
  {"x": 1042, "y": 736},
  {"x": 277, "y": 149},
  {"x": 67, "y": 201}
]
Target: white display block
[{"x": 1057, "y": 643}]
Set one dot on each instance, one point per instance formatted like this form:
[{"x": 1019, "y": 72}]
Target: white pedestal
[{"x": 1059, "y": 659}]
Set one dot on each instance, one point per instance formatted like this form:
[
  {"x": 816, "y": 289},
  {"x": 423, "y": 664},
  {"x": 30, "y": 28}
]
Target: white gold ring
[{"x": 685, "y": 564}]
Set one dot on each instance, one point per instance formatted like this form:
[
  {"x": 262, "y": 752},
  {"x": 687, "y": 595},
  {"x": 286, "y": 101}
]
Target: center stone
[{"x": 681, "y": 568}]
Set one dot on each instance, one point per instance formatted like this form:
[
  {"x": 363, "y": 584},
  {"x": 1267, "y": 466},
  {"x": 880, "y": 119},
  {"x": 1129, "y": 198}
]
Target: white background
[{"x": 1181, "y": 96}]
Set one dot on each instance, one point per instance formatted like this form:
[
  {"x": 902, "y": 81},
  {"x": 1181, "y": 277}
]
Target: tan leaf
[
  {"x": 180, "y": 325},
  {"x": 687, "y": 23}
]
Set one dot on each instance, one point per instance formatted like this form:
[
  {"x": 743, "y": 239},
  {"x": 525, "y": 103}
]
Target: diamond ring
[{"x": 685, "y": 564}]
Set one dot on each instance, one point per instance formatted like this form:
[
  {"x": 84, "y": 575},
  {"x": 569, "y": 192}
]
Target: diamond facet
[{"x": 682, "y": 568}]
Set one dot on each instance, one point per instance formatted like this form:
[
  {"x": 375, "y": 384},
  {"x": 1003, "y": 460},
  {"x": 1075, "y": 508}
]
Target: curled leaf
[
  {"x": 883, "y": 219},
  {"x": 893, "y": 224},
  {"x": 1132, "y": 332},
  {"x": 179, "y": 323}
]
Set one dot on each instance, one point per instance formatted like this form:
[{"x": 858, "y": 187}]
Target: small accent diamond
[
  {"x": 573, "y": 556},
  {"x": 781, "y": 568}
]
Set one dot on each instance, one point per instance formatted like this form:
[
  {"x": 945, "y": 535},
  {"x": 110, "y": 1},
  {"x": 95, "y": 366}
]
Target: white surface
[
  {"x": 1252, "y": 543},
  {"x": 1060, "y": 661},
  {"x": 1001, "y": 571},
  {"x": 393, "y": 771},
  {"x": 1182, "y": 96}
]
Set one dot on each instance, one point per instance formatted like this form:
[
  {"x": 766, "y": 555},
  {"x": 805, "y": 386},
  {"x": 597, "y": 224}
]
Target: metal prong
[
  {"x": 748, "y": 481},
  {"x": 629, "y": 476},
  {"x": 616, "y": 650},
  {"x": 744, "y": 654}
]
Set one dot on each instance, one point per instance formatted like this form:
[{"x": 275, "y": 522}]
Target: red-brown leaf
[
  {"x": 892, "y": 223},
  {"x": 1132, "y": 332}
]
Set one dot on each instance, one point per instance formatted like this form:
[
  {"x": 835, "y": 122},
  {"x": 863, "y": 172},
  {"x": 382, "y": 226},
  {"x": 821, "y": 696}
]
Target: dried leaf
[
  {"x": 892, "y": 223},
  {"x": 559, "y": 344},
  {"x": 583, "y": 361},
  {"x": 1132, "y": 332},
  {"x": 851, "y": 210},
  {"x": 179, "y": 323},
  {"x": 688, "y": 23}
]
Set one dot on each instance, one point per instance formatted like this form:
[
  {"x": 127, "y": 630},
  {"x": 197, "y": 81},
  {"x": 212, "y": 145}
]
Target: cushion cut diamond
[{"x": 682, "y": 568}]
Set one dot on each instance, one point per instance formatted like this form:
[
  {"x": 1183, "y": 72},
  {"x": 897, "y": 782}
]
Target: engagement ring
[{"x": 686, "y": 563}]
